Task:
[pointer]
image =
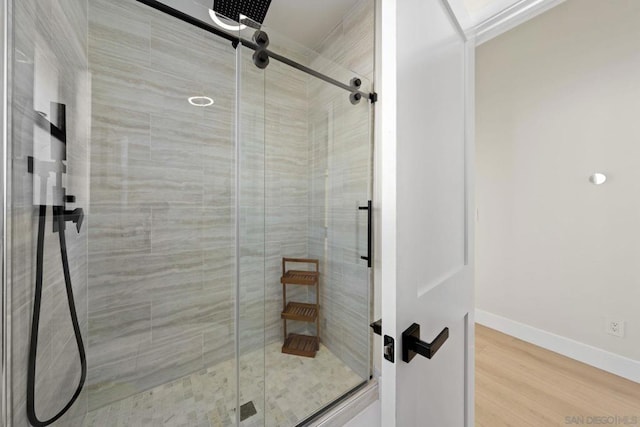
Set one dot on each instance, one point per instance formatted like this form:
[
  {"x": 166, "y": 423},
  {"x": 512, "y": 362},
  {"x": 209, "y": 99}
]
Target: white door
[{"x": 426, "y": 214}]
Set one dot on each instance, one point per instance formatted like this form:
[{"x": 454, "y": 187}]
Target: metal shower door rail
[{"x": 373, "y": 97}]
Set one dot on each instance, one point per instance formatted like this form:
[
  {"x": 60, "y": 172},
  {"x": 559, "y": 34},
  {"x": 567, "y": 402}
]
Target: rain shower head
[{"x": 256, "y": 10}]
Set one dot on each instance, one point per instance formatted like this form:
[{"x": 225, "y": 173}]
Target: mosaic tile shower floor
[{"x": 296, "y": 387}]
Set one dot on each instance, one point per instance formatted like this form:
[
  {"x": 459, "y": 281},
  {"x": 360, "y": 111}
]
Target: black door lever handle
[{"x": 411, "y": 344}]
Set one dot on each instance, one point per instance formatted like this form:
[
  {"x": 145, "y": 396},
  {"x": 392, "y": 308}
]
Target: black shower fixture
[
  {"x": 256, "y": 10},
  {"x": 46, "y": 169}
]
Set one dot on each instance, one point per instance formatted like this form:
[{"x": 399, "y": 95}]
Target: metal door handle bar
[
  {"x": 369, "y": 209},
  {"x": 411, "y": 344}
]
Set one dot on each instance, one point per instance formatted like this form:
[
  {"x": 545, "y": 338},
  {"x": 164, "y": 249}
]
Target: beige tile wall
[
  {"x": 340, "y": 180},
  {"x": 161, "y": 226},
  {"x": 161, "y": 244}
]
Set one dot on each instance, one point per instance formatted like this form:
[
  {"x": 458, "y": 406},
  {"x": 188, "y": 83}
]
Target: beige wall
[{"x": 558, "y": 98}]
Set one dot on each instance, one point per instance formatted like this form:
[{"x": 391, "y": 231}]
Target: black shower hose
[{"x": 58, "y": 214}]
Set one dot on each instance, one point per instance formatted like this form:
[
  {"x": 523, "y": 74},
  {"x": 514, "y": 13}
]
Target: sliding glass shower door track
[{"x": 353, "y": 87}]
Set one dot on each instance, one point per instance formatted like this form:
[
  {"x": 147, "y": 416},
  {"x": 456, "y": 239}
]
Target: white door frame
[
  {"x": 385, "y": 188},
  {"x": 385, "y": 164}
]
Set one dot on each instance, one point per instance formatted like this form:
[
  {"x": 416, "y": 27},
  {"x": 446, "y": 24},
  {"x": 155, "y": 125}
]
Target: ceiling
[
  {"x": 480, "y": 10},
  {"x": 306, "y": 21}
]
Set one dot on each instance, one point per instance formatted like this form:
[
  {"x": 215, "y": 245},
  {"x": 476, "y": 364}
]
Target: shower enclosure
[{"x": 179, "y": 169}]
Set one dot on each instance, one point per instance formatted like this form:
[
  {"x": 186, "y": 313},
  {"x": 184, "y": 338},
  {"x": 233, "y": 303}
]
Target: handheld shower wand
[{"x": 60, "y": 216}]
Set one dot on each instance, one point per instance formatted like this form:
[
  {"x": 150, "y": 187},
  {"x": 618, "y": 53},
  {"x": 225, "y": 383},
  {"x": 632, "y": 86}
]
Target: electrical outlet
[{"x": 614, "y": 327}]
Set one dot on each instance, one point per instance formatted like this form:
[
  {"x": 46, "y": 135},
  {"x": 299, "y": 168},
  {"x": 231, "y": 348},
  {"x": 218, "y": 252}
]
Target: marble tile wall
[
  {"x": 50, "y": 64},
  {"x": 161, "y": 242},
  {"x": 162, "y": 223},
  {"x": 286, "y": 188},
  {"x": 340, "y": 179}
]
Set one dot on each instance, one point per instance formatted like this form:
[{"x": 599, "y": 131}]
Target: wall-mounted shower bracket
[{"x": 76, "y": 216}]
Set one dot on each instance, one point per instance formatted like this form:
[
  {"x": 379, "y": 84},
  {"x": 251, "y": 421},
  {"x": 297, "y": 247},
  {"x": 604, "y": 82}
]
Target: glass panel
[
  {"x": 313, "y": 167},
  {"x": 162, "y": 240},
  {"x": 349, "y": 165},
  {"x": 150, "y": 152},
  {"x": 197, "y": 173},
  {"x": 162, "y": 253},
  {"x": 251, "y": 236}
]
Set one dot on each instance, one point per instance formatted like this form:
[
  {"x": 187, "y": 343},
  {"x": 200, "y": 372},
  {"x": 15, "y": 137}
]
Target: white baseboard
[{"x": 601, "y": 359}]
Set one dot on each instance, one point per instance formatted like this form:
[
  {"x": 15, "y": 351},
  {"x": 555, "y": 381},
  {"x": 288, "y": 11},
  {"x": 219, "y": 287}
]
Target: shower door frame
[{"x": 5, "y": 60}]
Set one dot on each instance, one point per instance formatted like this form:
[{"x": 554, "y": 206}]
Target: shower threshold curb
[{"x": 345, "y": 410}]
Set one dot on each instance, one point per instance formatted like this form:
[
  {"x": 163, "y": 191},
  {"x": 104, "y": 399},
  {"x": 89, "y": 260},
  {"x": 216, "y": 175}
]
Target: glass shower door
[
  {"x": 341, "y": 141},
  {"x": 304, "y": 173},
  {"x": 149, "y": 156},
  {"x": 251, "y": 253},
  {"x": 199, "y": 170}
]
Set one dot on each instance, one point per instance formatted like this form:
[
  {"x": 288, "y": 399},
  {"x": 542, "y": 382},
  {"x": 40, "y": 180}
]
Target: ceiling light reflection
[
  {"x": 219, "y": 22},
  {"x": 201, "y": 101}
]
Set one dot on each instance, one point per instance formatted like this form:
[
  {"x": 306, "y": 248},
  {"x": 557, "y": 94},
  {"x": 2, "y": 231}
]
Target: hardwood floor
[{"x": 520, "y": 384}]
